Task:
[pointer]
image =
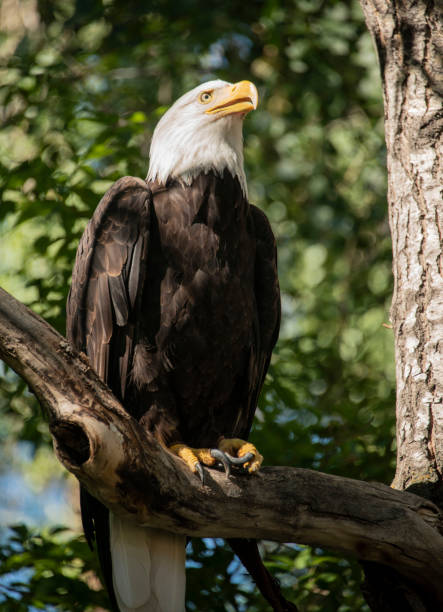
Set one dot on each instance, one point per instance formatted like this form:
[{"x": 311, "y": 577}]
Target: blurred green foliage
[
  {"x": 82, "y": 87},
  {"x": 40, "y": 569}
]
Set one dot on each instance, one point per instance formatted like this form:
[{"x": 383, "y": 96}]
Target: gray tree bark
[
  {"x": 408, "y": 35},
  {"x": 409, "y": 40}
]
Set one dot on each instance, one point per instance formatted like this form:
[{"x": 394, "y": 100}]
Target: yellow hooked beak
[{"x": 241, "y": 97}]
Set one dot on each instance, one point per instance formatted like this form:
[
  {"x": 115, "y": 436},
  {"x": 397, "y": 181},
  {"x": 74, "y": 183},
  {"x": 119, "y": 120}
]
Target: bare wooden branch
[{"x": 134, "y": 476}]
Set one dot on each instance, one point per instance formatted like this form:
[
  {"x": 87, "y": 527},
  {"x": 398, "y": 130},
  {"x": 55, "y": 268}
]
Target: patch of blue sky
[
  {"x": 23, "y": 505},
  {"x": 22, "y": 502},
  {"x": 14, "y": 584}
]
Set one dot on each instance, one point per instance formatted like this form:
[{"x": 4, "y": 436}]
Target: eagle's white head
[{"x": 202, "y": 131}]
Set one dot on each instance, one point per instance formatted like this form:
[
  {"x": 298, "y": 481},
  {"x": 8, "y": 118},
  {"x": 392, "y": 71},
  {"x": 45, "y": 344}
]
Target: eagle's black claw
[
  {"x": 228, "y": 460},
  {"x": 201, "y": 473},
  {"x": 223, "y": 458},
  {"x": 240, "y": 460}
]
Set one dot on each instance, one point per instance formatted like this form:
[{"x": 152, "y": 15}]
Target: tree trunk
[{"x": 409, "y": 40}]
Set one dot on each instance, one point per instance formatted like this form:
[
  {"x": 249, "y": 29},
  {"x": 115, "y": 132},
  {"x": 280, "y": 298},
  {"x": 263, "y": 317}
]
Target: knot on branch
[{"x": 72, "y": 442}]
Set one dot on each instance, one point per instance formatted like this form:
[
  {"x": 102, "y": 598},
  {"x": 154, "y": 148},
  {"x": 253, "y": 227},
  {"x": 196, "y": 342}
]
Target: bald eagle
[{"x": 175, "y": 300}]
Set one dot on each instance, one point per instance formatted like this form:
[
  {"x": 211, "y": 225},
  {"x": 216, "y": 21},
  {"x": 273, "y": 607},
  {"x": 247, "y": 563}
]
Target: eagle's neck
[{"x": 185, "y": 151}]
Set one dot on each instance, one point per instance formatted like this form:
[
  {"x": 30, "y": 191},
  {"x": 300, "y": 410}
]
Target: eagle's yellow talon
[{"x": 193, "y": 456}]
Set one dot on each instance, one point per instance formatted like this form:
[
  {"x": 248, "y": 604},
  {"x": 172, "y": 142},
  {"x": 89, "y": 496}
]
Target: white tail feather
[
  {"x": 168, "y": 554},
  {"x": 148, "y": 567}
]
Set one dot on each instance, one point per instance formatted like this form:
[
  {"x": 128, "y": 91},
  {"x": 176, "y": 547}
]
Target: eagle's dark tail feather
[
  {"x": 247, "y": 552},
  {"x": 95, "y": 518}
]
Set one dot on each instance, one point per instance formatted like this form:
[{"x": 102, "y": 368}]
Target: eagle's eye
[{"x": 205, "y": 97}]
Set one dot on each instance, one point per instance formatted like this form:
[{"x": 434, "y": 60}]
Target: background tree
[
  {"x": 409, "y": 41},
  {"x": 83, "y": 86}
]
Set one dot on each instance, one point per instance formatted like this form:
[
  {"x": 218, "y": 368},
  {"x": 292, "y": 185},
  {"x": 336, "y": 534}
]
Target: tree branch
[{"x": 133, "y": 475}]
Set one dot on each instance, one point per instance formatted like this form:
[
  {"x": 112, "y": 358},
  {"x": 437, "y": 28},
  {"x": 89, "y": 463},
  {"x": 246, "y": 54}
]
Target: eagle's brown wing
[
  {"x": 267, "y": 296},
  {"x": 102, "y": 310},
  {"x": 107, "y": 281}
]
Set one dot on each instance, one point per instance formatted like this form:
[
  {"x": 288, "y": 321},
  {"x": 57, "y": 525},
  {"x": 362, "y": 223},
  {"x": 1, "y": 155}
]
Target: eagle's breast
[{"x": 204, "y": 249}]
